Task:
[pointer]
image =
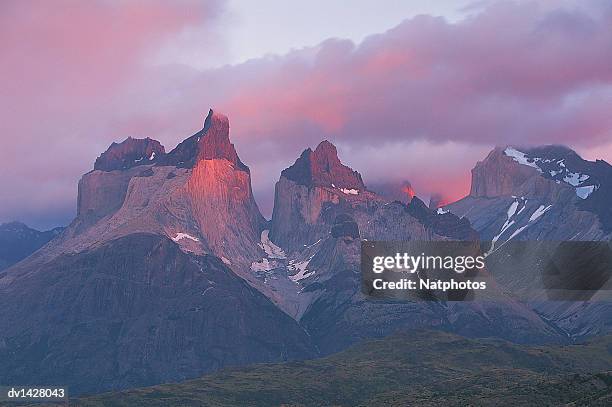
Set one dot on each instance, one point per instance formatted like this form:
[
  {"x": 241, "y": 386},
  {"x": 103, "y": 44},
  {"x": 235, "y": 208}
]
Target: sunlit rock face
[{"x": 200, "y": 189}]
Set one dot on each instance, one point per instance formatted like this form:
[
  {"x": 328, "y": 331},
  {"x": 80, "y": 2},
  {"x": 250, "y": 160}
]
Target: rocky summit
[
  {"x": 546, "y": 193},
  {"x": 322, "y": 167},
  {"x": 129, "y": 153}
]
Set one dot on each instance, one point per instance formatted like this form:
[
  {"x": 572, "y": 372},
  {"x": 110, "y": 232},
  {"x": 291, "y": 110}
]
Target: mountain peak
[
  {"x": 212, "y": 142},
  {"x": 129, "y": 153},
  {"x": 326, "y": 151},
  {"x": 322, "y": 167}
]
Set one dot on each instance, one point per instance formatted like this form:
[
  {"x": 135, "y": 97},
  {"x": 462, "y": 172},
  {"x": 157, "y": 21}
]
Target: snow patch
[
  {"x": 263, "y": 265},
  {"x": 516, "y": 232},
  {"x": 311, "y": 245},
  {"x": 180, "y": 236},
  {"x": 575, "y": 178},
  {"x": 539, "y": 212},
  {"x": 152, "y": 156},
  {"x": 521, "y": 158},
  {"x": 272, "y": 250},
  {"x": 442, "y": 211},
  {"x": 226, "y": 261},
  {"x": 585, "y": 192},
  {"x": 302, "y": 268},
  {"x": 350, "y": 191},
  {"x": 509, "y": 221},
  {"x": 512, "y": 209}
]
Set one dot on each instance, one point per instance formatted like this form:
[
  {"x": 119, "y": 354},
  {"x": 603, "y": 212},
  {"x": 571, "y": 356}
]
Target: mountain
[
  {"x": 198, "y": 194},
  {"x": 139, "y": 285},
  {"x": 322, "y": 212},
  {"x": 169, "y": 270},
  {"x": 572, "y": 193},
  {"x": 425, "y": 368},
  {"x": 549, "y": 194},
  {"x": 18, "y": 241},
  {"x": 318, "y": 187}
]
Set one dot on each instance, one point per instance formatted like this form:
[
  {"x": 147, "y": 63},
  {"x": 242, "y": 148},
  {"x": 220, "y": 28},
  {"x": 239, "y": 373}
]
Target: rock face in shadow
[
  {"x": 340, "y": 315},
  {"x": 137, "y": 311},
  {"x": 546, "y": 193},
  {"x": 129, "y": 153}
]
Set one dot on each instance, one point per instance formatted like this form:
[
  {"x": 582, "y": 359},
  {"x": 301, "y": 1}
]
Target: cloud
[
  {"x": 513, "y": 72},
  {"x": 428, "y": 98},
  {"x": 422, "y": 101}
]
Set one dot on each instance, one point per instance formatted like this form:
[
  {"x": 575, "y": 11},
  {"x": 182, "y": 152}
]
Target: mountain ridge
[{"x": 302, "y": 266}]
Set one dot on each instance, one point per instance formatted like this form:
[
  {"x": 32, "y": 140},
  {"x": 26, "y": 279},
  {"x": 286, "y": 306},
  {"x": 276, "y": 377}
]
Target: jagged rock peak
[
  {"x": 506, "y": 169},
  {"x": 212, "y": 142},
  {"x": 130, "y": 153},
  {"x": 322, "y": 167}
]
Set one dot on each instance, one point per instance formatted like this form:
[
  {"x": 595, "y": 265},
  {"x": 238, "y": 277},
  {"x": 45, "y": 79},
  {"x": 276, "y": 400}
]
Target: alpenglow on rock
[
  {"x": 316, "y": 181},
  {"x": 200, "y": 188},
  {"x": 322, "y": 167}
]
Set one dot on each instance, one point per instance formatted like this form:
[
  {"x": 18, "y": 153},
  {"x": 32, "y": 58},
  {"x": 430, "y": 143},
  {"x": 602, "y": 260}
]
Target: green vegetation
[{"x": 423, "y": 368}]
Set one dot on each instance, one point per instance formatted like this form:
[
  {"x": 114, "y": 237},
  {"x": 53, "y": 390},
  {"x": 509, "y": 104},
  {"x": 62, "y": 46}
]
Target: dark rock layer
[
  {"x": 134, "y": 312},
  {"x": 129, "y": 153}
]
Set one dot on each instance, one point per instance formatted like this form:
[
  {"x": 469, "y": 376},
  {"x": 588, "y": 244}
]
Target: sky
[{"x": 407, "y": 90}]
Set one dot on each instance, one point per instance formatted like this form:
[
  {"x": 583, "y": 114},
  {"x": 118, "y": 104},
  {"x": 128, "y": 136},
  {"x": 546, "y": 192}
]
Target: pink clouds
[
  {"x": 422, "y": 101},
  {"x": 83, "y": 48},
  {"x": 520, "y": 73},
  {"x": 513, "y": 73}
]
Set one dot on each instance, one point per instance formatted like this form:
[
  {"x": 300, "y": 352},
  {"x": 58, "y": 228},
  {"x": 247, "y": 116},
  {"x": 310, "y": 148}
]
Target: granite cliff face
[
  {"x": 322, "y": 167},
  {"x": 318, "y": 187},
  {"x": 210, "y": 143},
  {"x": 307, "y": 190},
  {"x": 198, "y": 194}
]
